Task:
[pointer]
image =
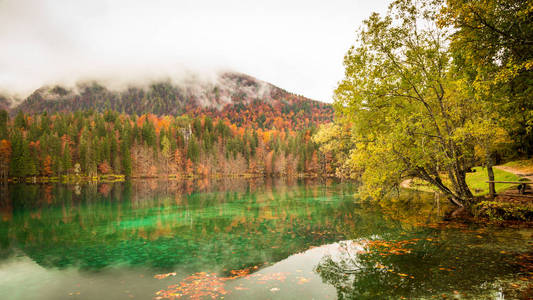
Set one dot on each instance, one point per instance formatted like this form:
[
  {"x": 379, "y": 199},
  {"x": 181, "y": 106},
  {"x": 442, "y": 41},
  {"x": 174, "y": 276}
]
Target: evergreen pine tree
[
  {"x": 126, "y": 157},
  {"x": 193, "y": 150},
  {"x": 20, "y": 120},
  {"x": 66, "y": 159},
  {"x": 4, "y": 117},
  {"x": 16, "y": 164}
]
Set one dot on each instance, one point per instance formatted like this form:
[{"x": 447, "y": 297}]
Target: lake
[{"x": 248, "y": 239}]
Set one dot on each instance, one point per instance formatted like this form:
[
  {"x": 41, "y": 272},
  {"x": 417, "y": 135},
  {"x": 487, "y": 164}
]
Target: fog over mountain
[
  {"x": 223, "y": 94},
  {"x": 202, "y": 89},
  {"x": 297, "y": 45}
]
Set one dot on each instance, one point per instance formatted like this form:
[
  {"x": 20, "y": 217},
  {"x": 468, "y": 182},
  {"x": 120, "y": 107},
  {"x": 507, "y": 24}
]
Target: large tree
[
  {"x": 411, "y": 115},
  {"x": 493, "y": 40}
]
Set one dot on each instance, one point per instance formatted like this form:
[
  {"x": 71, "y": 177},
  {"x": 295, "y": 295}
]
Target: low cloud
[{"x": 298, "y": 45}]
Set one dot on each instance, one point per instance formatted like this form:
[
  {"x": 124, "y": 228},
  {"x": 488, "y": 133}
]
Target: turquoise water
[{"x": 247, "y": 239}]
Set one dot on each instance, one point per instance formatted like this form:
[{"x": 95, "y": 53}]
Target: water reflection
[
  {"x": 286, "y": 240},
  {"x": 167, "y": 224},
  {"x": 419, "y": 265}
]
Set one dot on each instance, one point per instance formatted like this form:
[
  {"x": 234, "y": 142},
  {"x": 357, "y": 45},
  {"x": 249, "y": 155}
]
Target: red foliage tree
[
  {"x": 189, "y": 167},
  {"x": 47, "y": 166},
  {"x": 179, "y": 160},
  {"x": 104, "y": 167},
  {"x": 5, "y": 156}
]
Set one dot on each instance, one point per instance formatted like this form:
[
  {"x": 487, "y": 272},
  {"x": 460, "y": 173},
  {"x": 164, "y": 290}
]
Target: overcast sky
[{"x": 297, "y": 45}]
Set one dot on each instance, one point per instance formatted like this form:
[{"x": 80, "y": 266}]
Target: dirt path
[
  {"x": 406, "y": 183},
  {"x": 516, "y": 171}
]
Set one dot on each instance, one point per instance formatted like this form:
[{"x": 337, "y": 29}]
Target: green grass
[
  {"x": 520, "y": 163},
  {"x": 477, "y": 181}
]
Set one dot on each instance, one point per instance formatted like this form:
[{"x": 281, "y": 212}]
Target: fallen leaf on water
[
  {"x": 274, "y": 290},
  {"x": 240, "y": 288},
  {"x": 161, "y": 276},
  {"x": 196, "y": 286},
  {"x": 303, "y": 280},
  {"x": 280, "y": 276},
  {"x": 204, "y": 285}
]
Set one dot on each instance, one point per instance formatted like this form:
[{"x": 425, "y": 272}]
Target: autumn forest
[
  {"x": 100, "y": 132},
  {"x": 139, "y": 160}
]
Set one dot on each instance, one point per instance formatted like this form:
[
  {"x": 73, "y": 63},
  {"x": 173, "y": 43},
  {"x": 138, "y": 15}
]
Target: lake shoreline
[
  {"x": 508, "y": 212},
  {"x": 66, "y": 179},
  {"x": 249, "y": 238}
]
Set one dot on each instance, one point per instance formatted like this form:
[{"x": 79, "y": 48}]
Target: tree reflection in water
[
  {"x": 194, "y": 227},
  {"x": 420, "y": 264}
]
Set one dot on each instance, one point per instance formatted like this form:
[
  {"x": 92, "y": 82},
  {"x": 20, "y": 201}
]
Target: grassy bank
[
  {"x": 524, "y": 166},
  {"x": 477, "y": 181},
  {"x": 505, "y": 207}
]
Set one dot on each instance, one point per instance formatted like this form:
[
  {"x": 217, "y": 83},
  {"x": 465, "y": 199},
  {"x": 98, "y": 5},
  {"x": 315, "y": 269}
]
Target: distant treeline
[
  {"x": 89, "y": 143},
  {"x": 239, "y": 98}
]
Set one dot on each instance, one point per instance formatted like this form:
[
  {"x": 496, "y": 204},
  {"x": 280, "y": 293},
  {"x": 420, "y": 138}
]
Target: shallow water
[{"x": 238, "y": 239}]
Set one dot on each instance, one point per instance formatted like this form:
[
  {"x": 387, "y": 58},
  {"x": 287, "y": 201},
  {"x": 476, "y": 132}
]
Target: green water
[{"x": 239, "y": 239}]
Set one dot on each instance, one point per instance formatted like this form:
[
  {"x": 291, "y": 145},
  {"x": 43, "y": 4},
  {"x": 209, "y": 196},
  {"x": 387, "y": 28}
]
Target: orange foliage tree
[
  {"x": 5, "y": 155},
  {"x": 104, "y": 167},
  {"x": 47, "y": 166}
]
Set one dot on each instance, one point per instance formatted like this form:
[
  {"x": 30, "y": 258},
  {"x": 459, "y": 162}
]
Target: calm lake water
[{"x": 239, "y": 239}]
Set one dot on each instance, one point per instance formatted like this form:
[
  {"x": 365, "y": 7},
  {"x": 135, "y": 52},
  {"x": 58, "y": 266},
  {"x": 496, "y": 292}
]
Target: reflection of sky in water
[{"x": 110, "y": 241}]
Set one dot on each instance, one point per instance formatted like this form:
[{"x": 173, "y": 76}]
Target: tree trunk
[
  {"x": 490, "y": 174},
  {"x": 454, "y": 198},
  {"x": 463, "y": 190}
]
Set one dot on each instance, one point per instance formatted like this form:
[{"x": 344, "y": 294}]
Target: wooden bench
[{"x": 521, "y": 184}]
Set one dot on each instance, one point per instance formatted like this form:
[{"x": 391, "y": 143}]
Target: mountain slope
[
  {"x": 237, "y": 97},
  {"x": 5, "y": 103}
]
